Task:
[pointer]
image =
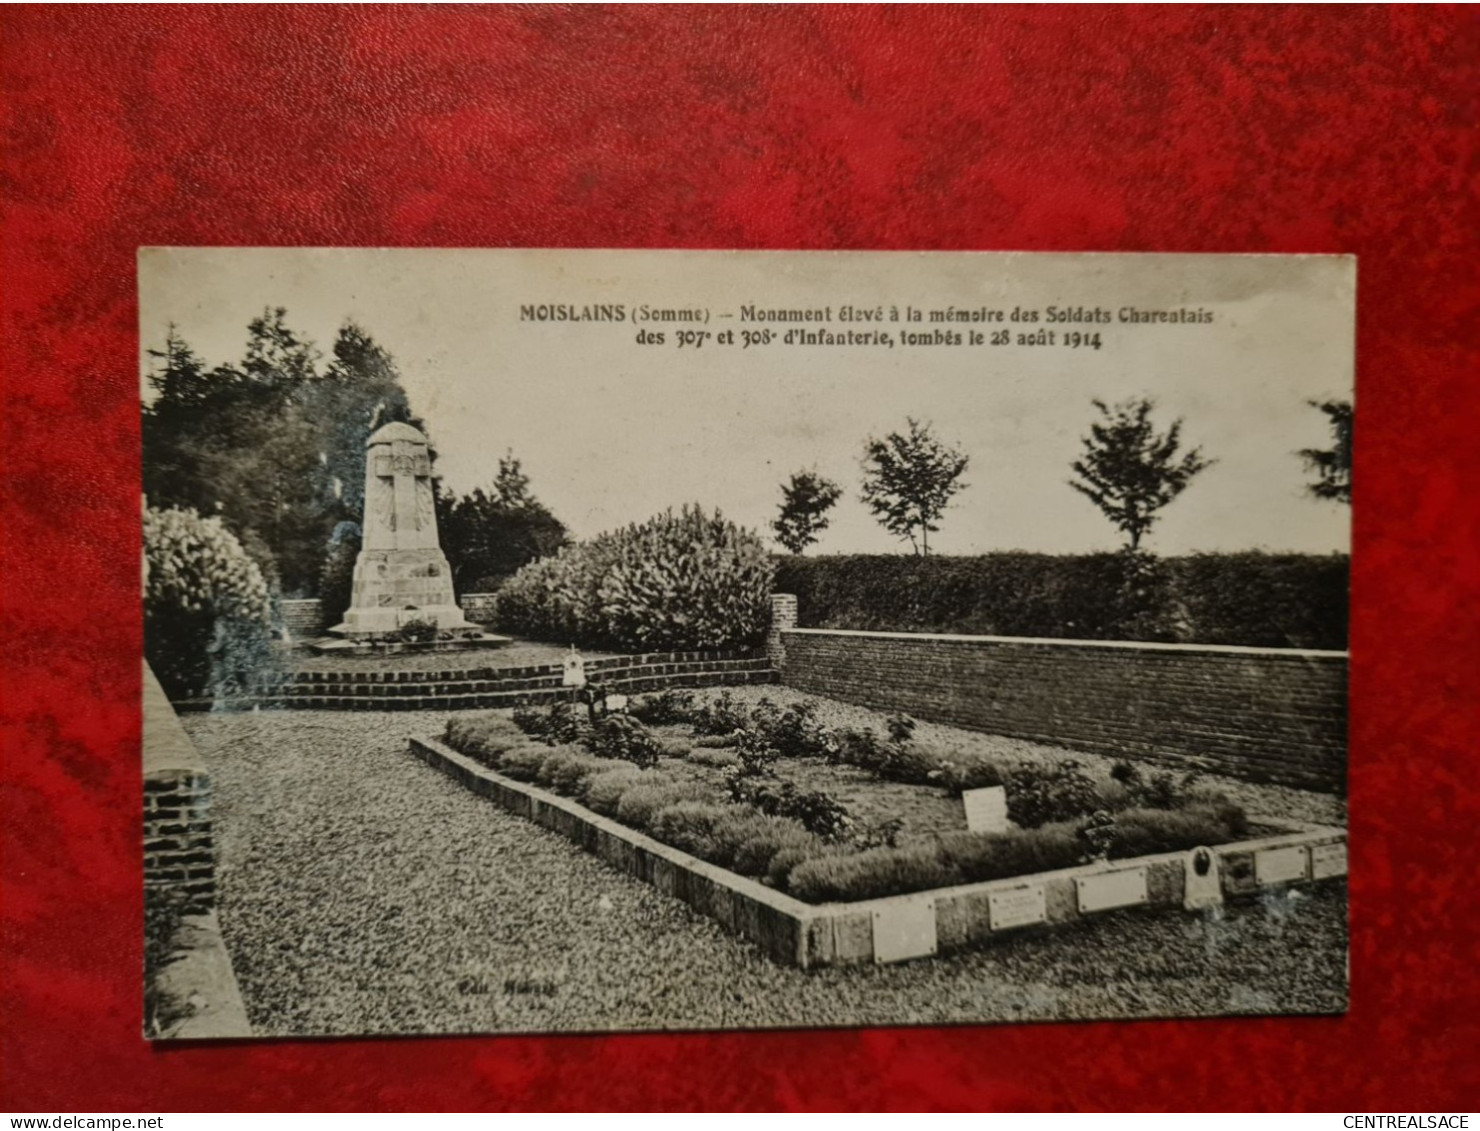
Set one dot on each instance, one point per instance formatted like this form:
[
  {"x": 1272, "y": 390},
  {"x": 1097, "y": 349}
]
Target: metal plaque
[
  {"x": 1017, "y": 907},
  {"x": 1280, "y": 865},
  {"x": 986, "y": 809},
  {"x": 1327, "y": 860},
  {"x": 1104, "y": 890},
  {"x": 904, "y": 930},
  {"x": 1201, "y": 885}
]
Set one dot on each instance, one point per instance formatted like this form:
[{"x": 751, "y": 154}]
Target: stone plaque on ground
[
  {"x": 1017, "y": 907},
  {"x": 986, "y": 809},
  {"x": 1104, "y": 890},
  {"x": 904, "y": 930},
  {"x": 1279, "y": 865},
  {"x": 1202, "y": 886},
  {"x": 1327, "y": 860}
]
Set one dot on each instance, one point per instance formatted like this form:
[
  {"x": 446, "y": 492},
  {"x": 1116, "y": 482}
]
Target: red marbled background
[{"x": 1186, "y": 129}]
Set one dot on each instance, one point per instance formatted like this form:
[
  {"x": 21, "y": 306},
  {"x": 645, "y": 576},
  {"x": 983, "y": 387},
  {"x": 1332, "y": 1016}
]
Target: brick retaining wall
[
  {"x": 1260, "y": 714},
  {"x": 179, "y": 857}
]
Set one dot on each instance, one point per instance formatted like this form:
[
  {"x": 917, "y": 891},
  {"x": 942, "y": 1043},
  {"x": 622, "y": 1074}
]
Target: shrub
[
  {"x": 664, "y": 709},
  {"x": 689, "y": 826},
  {"x": 1057, "y": 792},
  {"x": 793, "y": 731},
  {"x": 871, "y": 874},
  {"x": 995, "y": 856},
  {"x": 721, "y": 716},
  {"x": 770, "y": 838},
  {"x": 1257, "y": 599},
  {"x": 973, "y": 775},
  {"x": 720, "y": 759},
  {"x": 719, "y": 741},
  {"x": 622, "y": 736},
  {"x": 336, "y": 579},
  {"x": 564, "y": 770},
  {"x": 638, "y": 804},
  {"x": 602, "y": 791},
  {"x": 1141, "y": 832},
  {"x": 756, "y": 755},
  {"x": 778, "y": 872},
  {"x": 522, "y": 763},
  {"x": 677, "y": 581},
  {"x": 483, "y": 738},
  {"x": 206, "y": 610},
  {"x": 560, "y": 722},
  {"x": 818, "y": 813}
]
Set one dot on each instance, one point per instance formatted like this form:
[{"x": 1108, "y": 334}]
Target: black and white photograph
[{"x": 591, "y": 641}]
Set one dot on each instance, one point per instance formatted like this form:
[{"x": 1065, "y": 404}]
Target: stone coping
[
  {"x": 895, "y": 928},
  {"x": 1132, "y": 645}
]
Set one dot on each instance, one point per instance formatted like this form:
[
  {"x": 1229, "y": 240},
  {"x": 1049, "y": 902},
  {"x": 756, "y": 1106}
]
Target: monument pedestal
[{"x": 401, "y": 576}]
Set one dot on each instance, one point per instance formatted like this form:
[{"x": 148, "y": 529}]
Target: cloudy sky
[{"x": 611, "y": 431}]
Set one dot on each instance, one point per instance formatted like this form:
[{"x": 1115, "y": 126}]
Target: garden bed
[{"x": 765, "y": 804}]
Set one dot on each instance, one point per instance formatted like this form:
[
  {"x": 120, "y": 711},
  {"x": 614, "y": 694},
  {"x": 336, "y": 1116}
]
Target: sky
[{"x": 611, "y": 431}]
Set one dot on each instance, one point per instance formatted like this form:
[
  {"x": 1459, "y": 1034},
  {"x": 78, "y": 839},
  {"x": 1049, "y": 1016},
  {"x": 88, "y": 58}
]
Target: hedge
[{"x": 1253, "y": 599}]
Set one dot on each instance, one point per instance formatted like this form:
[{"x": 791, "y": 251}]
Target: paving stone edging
[{"x": 808, "y": 935}]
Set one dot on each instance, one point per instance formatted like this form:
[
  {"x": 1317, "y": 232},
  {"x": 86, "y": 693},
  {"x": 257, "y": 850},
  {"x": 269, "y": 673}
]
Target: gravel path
[{"x": 364, "y": 892}]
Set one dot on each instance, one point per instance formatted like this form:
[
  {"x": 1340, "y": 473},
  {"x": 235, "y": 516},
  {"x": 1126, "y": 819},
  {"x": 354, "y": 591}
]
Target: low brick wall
[
  {"x": 479, "y": 607},
  {"x": 303, "y": 618},
  {"x": 1268, "y": 715}
]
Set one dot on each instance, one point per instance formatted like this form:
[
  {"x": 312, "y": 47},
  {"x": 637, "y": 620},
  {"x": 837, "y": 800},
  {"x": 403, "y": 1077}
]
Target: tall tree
[
  {"x": 908, "y": 480},
  {"x": 490, "y": 535},
  {"x": 1130, "y": 470},
  {"x": 805, "y": 501},
  {"x": 1333, "y": 465}
]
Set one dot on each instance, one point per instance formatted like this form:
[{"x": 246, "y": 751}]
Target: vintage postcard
[{"x": 583, "y": 640}]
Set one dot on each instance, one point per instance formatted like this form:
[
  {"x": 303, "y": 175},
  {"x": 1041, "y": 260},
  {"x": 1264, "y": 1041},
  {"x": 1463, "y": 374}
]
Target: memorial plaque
[
  {"x": 1279, "y": 865},
  {"x": 986, "y": 809},
  {"x": 1017, "y": 907},
  {"x": 904, "y": 930},
  {"x": 1202, "y": 886},
  {"x": 1105, "y": 890},
  {"x": 1327, "y": 860}
]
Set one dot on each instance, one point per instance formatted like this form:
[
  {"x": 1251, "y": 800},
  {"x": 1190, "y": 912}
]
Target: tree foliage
[
  {"x": 805, "y": 501},
  {"x": 205, "y": 605},
  {"x": 272, "y": 445},
  {"x": 908, "y": 480},
  {"x": 1332, "y": 466},
  {"x": 1130, "y": 470},
  {"x": 489, "y": 536}
]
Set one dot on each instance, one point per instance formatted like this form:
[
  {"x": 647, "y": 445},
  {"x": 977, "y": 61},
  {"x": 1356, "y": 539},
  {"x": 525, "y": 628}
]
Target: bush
[
  {"x": 770, "y": 839},
  {"x": 602, "y": 791},
  {"x": 638, "y": 804},
  {"x": 1142, "y": 832},
  {"x": 1057, "y": 792},
  {"x": 336, "y": 579},
  {"x": 1255, "y": 599},
  {"x": 871, "y": 874},
  {"x": 793, "y": 731},
  {"x": 621, "y": 736},
  {"x": 484, "y": 738},
  {"x": 722, "y": 716},
  {"x": 997, "y": 856},
  {"x": 206, "y": 610},
  {"x": 418, "y": 630},
  {"x": 664, "y": 709},
  {"x": 559, "y": 722},
  {"x": 677, "y": 581},
  {"x": 564, "y": 770},
  {"x": 818, "y": 813},
  {"x": 719, "y": 758},
  {"x": 522, "y": 763}
]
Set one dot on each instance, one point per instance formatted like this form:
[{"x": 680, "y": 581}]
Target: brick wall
[
  {"x": 303, "y": 618},
  {"x": 1259, "y": 714},
  {"x": 479, "y": 607},
  {"x": 179, "y": 856}
]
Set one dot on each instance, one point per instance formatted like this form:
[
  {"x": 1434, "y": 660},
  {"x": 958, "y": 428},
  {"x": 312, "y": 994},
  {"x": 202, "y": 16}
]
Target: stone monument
[{"x": 401, "y": 574}]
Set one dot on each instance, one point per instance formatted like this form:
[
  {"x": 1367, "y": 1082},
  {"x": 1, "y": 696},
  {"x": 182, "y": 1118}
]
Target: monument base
[{"x": 364, "y": 624}]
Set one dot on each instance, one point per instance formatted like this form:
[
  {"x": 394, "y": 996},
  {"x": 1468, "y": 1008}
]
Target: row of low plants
[
  {"x": 679, "y": 580},
  {"x": 751, "y": 819},
  {"x": 1252, "y": 599}
]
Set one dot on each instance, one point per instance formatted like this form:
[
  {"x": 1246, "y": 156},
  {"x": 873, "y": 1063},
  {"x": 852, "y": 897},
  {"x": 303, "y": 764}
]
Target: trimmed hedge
[
  {"x": 1251, "y": 599},
  {"x": 685, "y": 580}
]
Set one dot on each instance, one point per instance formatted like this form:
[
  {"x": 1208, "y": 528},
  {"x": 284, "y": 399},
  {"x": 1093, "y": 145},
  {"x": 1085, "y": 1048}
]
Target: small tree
[
  {"x": 490, "y": 536},
  {"x": 909, "y": 480},
  {"x": 1332, "y": 466},
  {"x": 805, "y": 502},
  {"x": 1130, "y": 471}
]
